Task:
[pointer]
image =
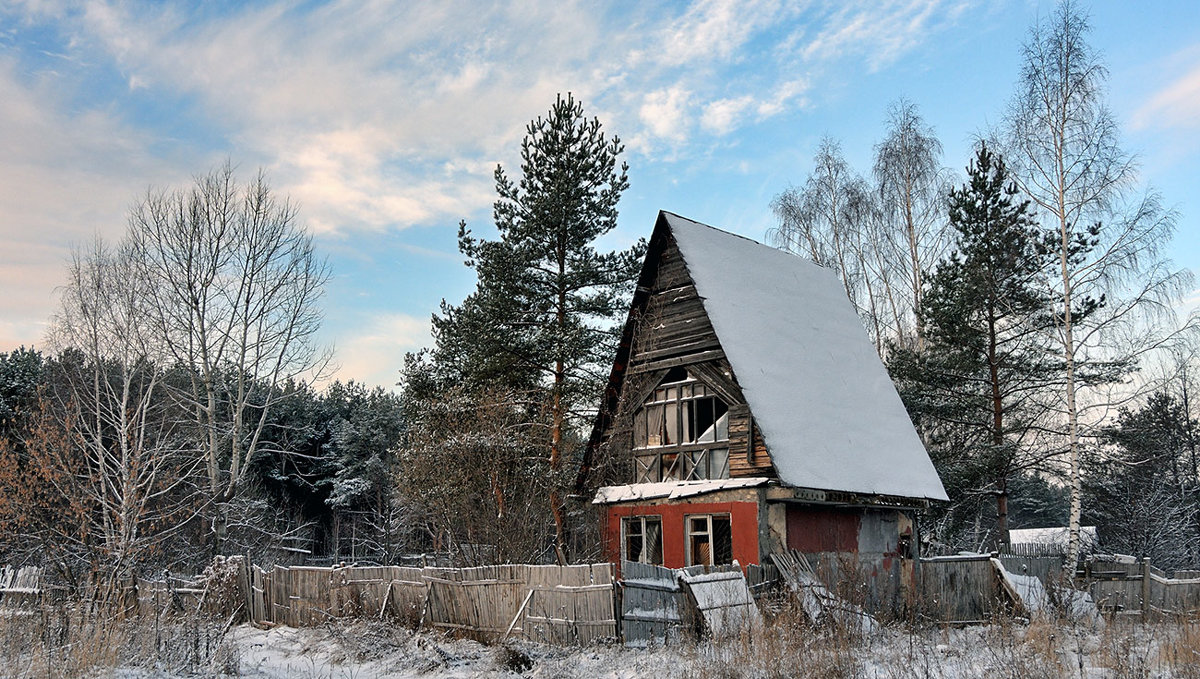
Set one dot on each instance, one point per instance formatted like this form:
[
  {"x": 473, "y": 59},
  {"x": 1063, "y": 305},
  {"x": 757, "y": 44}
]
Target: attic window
[{"x": 680, "y": 432}]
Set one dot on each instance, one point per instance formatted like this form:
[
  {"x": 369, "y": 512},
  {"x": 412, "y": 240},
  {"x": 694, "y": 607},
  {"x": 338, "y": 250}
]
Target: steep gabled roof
[{"x": 821, "y": 397}]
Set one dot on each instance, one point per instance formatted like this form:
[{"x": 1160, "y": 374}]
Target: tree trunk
[
  {"x": 1072, "y": 411},
  {"x": 997, "y": 429}
]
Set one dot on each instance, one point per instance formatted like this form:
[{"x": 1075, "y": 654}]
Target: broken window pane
[
  {"x": 699, "y": 545},
  {"x": 654, "y": 425},
  {"x": 681, "y": 412},
  {"x": 671, "y": 424},
  {"x": 696, "y": 465},
  {"x": 653, "y": 540},
  {"x": 718, "y": 463},
  {"x": 704, "y": 420},
  {"x": 633, "y": 539},
  {"x": 710, "y": 540},
  {"x": 670, "y": 467},
  {"x": 647, "y": 468},
  {"x": 722, "y": 540},
  {"x": 643, "y": 539}
]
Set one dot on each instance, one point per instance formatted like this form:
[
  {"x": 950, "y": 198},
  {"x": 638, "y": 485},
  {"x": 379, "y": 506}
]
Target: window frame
[
  {"x": 660, "y": 462},
  {"x": 641, "y": 520},
  {"x": 688, "y": 533}
]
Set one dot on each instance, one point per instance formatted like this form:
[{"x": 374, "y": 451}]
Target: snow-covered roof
[
  {"x": 671, "y": 490},
  {"x": 1057, "y": 536},
  {"x": 825, "y": 404}
]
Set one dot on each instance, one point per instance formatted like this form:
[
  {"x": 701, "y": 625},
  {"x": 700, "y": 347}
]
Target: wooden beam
[{"x": 659, "y": 364}]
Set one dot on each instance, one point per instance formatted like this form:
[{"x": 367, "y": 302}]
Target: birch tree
[
  {"x": 233, "y": 286},
  {"x": 1112, "y": 287},
  {"x": 124, "y": 462},
  {"x": 911, "y": 186},
  {"x": 828, "y": 220}
]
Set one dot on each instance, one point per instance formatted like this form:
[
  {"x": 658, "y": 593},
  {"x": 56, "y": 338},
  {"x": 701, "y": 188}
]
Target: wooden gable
[{"x": 669, "y": 328}]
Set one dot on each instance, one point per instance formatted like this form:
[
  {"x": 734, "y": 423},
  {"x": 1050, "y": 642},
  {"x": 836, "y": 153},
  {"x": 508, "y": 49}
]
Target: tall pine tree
[
  {"x": 544, "y": 313},
  {"x": 984, "y": 362}
]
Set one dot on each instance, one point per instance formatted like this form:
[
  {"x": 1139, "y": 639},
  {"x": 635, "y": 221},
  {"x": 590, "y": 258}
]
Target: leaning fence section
[
  {"x": 652, "y": 603},
  {"x": 562, "y": 604}
]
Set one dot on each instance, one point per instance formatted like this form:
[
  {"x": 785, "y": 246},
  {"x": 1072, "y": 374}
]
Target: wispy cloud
[
  {"x": 1175, "y": 106},
  {"x": 373, "y": 352},
  {"x": 878, "y": 32},
  {"x": 372, "y": 116}
]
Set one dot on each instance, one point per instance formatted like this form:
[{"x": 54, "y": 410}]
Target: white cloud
[
  {"x": 370, "y": 116},
  {"x": 879, "y": 32},
  {"x": 714, "y": 29},
  {"x": 373, "y": 353},
  {"x": 783, "y": 96},
  {"x": 65, "y": 177},
  {"x": 1176, "y": 105},
  {"x": 721, "y": 116},
  {"x": 665, "y": 113}
]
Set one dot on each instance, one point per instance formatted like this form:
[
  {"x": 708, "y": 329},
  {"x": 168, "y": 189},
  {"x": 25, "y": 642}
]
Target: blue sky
[{"x": 384, "y": 121}]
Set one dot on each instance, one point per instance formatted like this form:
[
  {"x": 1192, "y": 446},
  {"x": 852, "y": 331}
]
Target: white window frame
[
  {"x": 642, "y": 520},
  {"x": 708, "y": 530}
]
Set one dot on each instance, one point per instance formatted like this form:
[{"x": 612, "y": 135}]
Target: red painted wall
[
  {"x": 743, "y": 519},
  {"x": 816, "y": 529}
]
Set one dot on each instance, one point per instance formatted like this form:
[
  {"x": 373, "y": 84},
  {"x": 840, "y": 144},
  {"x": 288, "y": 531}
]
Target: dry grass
[
  {"x": 73, "y": 639},
  {"x": 1041, "y": 649}
]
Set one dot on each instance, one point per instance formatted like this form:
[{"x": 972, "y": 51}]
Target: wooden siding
[
  {"x": 673, "y": 322},
  {"x": 673, "y": 330}
]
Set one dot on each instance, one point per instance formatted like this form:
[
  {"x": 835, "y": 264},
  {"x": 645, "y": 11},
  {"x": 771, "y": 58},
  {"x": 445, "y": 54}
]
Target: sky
[{"x": 384, "y": 121}]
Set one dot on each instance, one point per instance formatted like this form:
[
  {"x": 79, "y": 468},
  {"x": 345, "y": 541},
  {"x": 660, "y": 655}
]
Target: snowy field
[{"x": 360, "y": 650}]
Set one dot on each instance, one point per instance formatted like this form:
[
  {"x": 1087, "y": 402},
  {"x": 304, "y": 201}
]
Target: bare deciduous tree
[
  {"x": 911, "y": 187},
  {"x": 828, "y": 220},
  {"x": 1113, "y": 289},
  {"x": 233, "y": 285},
  {"x": 124, "y": 465}
]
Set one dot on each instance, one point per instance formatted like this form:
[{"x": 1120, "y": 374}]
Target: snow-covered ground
[
  {"x": 369, "y": 650},
  {"x": 361, "y": 650}
]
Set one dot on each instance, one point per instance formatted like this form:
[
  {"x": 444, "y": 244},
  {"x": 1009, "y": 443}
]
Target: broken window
[
  {"x": 709, "y": 540},
  {"x": 682, "y": 416},
  {"x": 643, "y": 539}
]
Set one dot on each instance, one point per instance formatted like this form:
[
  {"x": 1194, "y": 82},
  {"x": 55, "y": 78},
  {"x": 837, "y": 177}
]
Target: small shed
[{"x": 753, "y": 416}]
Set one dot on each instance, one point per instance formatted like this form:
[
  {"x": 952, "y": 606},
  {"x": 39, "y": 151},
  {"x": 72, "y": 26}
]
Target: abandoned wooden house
[{"x": 753, "y": 415}]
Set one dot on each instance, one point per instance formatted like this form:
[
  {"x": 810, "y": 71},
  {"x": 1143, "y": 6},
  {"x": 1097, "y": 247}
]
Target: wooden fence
[
  {"x": 581, "y": 604},
  {"x": 652, "y": 604},
  {"x": 958, "y": 589},
  {"x": 1124, "y": 585},
  {"x": 558, "y": 604},
  {"x": 19, "y": 587}
]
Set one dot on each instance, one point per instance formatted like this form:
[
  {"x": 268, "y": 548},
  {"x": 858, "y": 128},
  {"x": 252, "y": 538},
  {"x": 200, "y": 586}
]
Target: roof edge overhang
[{"x": 816, "y": 496}]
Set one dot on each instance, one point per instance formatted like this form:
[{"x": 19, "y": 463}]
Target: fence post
[{"x": 1145, "y": 587}]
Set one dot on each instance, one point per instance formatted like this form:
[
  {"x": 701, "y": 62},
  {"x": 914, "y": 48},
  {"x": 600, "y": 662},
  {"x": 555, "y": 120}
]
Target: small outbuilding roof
[
  {"x": 819, "y": 393},
  {"x": 1055, "y": 536}
]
